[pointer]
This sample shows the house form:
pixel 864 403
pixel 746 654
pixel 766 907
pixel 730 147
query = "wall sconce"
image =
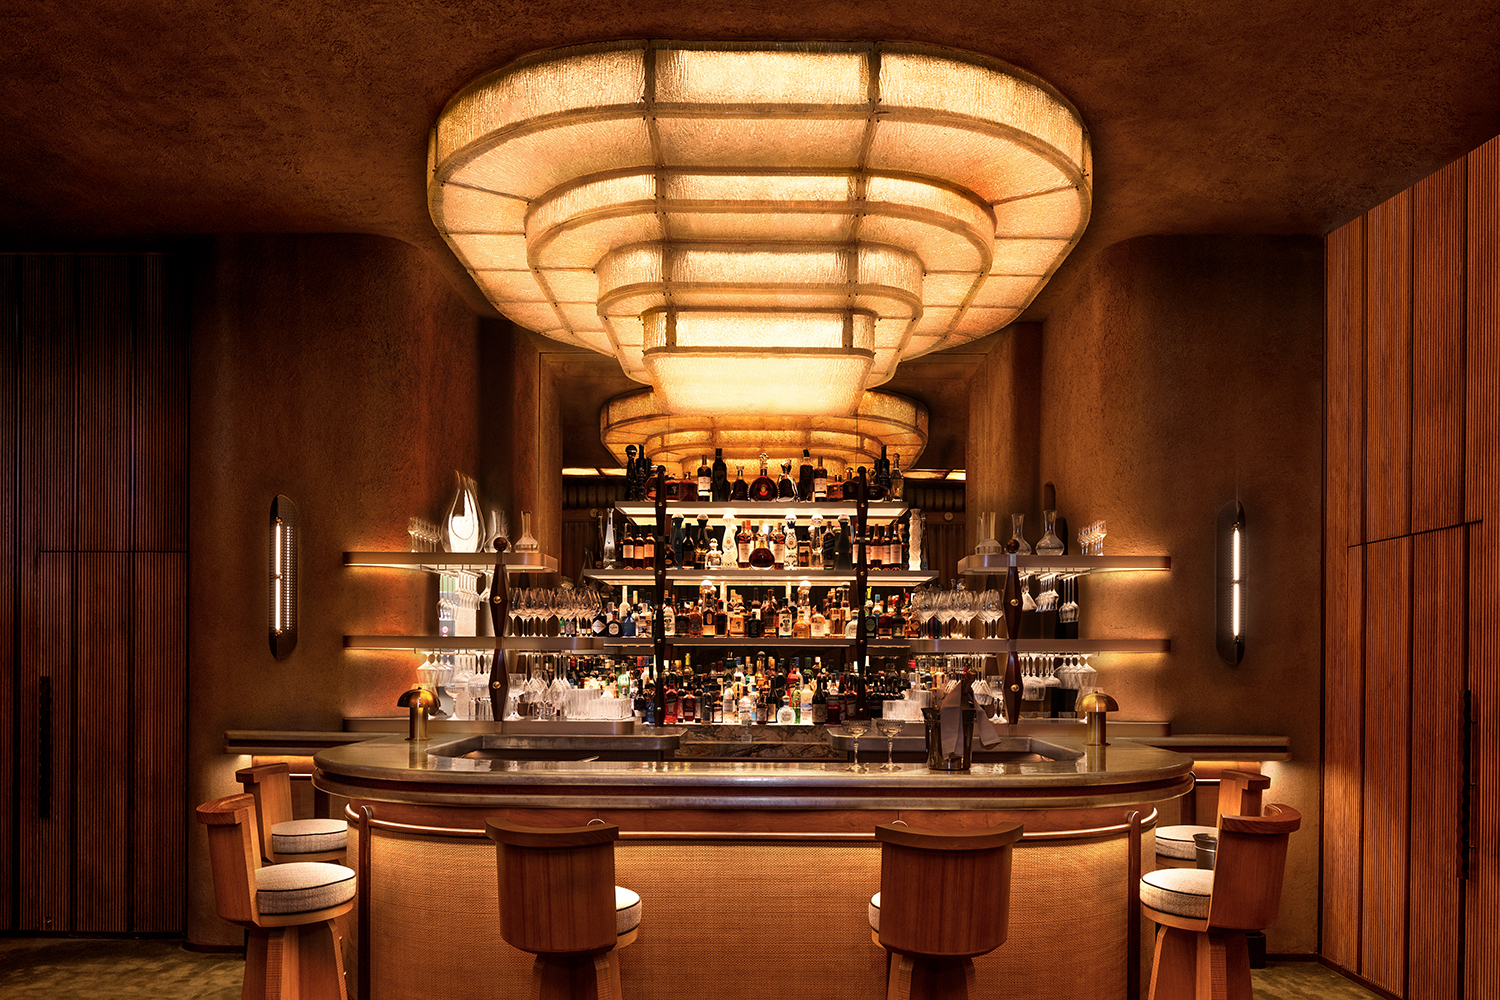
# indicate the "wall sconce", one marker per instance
pixel 286 542
pixel 1231 583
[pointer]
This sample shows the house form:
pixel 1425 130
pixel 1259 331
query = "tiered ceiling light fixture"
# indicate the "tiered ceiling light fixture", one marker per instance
pixel 680 441
pixel 762 227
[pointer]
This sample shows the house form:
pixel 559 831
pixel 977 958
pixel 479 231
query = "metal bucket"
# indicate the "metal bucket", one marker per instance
pixel 1208 849
pixel 936 759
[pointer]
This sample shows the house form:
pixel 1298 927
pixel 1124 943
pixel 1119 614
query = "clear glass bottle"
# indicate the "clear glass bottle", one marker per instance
pixel 527 542
pixel 1049 544
pixel 1017 544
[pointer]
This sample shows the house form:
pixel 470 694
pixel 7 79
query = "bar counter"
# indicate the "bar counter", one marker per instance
pixel 755 875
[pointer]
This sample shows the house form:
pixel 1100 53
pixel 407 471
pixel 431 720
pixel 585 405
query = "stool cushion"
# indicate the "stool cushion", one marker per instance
pixel 875 913
pixel 309 836
pixel 627 910
pixel 302 886
pixel 1177 841
pixel 1184 892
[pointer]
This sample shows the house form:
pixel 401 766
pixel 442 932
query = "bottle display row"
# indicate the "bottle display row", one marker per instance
pixel 811 482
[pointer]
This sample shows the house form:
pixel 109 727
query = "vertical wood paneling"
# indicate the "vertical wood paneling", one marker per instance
pixel 1437 413
pixel 161 417
pixel 105 388
pixel 159 779
pixel 1388 369
pixel 1345 304
pixel 46 650
pixel 1387 762
pixel 49 348
pixel 1342 755
pixel 1482 896
pixel 1482 317
pixel 1439 639
pixel 9 303
pixel 103 741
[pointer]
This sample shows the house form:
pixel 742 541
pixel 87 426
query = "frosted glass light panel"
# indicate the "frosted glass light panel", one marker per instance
pixel 931 190
pixel 284 544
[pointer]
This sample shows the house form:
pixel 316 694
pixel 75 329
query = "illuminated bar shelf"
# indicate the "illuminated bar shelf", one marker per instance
pixel 440 562
pixel 878 511
pixel 1061 647
pixel 523 643
pixel 760 577
pixel 1079 565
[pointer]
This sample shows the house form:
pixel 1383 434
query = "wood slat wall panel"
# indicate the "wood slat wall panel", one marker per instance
pixel 1437 412
pixel 45 848
pixel 159 779
pixel 9 303
pixel 1387 762
pixel 161 416
pixel 1345 305
pixel 49 350
pixel 1439 640
pixel 1388 369
pixel 1343 755
pixel 103 444
pixel 103 741
pixel 1482 897
pixel 1482 318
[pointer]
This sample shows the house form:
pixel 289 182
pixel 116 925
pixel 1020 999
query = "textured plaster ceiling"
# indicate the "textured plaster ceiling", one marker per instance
pixel 139 119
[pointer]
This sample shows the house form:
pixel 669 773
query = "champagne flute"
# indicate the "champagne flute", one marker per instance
pixel 889 728
pixel 855 728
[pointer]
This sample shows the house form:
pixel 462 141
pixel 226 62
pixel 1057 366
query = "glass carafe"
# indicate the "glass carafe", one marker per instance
pixel 1017 544
pixel 988 544
pixel 1049 544
pixel 527 542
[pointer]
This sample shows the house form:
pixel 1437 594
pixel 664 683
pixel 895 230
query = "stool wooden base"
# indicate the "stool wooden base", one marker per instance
pixel 1200 965
pixel 914 977
pixel 579 977
pixel 300 962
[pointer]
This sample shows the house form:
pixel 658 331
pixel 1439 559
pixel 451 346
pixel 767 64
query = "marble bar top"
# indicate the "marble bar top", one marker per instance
pixel 440 772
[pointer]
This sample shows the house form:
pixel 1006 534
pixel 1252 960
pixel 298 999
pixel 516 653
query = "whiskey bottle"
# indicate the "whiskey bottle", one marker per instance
pixel 739 489
pixel 719 487
pixel 786 490
pixel 818 625
pixel 763 488
pixel 705 479
pixel 804 552
pixel 646 551
pixel 721 620
pixel 820 481
pixel 778 547
pixel 784 621
pixel 700 551
pixel 805 477
pixel 742 540
pixel 898 486
pixel 875 549
pixel 736 623
pixel 761 556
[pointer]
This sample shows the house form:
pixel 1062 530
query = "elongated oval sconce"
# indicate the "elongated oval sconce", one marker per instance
pixel 1231 583
pixel 285 548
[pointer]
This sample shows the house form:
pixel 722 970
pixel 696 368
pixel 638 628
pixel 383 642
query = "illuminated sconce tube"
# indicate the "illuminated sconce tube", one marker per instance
pixel 1230 634
pixel 285 549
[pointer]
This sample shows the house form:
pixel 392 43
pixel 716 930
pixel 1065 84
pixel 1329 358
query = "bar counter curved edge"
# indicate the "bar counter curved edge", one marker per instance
pixel 755 875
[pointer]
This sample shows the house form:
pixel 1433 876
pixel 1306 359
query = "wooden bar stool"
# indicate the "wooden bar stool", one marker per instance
pixel 559 901
pixel 288 909
pixel 1240 794
pixel 944 899
pixel 1202 916
pixel 283 838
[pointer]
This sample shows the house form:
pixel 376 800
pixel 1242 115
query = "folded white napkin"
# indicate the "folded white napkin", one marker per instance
pixel 950 701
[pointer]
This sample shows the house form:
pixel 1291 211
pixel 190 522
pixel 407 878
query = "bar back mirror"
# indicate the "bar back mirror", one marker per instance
pixel 1230 585
pixel 285 546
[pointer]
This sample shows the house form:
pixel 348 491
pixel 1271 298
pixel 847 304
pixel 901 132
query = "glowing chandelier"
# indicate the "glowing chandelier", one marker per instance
pixel 760 227
pixel 680 441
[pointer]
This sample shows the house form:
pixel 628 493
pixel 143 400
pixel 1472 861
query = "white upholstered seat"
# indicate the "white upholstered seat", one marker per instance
pixel 302 887
pixel 1184 892
pixel 627 910
pixel 1177 841
pixel 875 913
pixel 309 836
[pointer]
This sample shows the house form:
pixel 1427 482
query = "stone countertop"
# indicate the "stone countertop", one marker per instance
pixel 438 772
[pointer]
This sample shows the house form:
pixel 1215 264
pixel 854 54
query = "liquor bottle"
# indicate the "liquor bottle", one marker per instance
pixel 845 555
pixel 736 617
pixel 719 485
pixel 763 488
pixel 715 557
pixel 710 621
pixel 754 625
pixel 786 489
pixel 629 620
pixel 897 488
pixel 785 716
pixel 705 479
pixel 805 476
pixel 883 473
pixel 778 547
pixel 721 620
pixel 818 625
pixel 729 705
pixel 784 621
pixel 627 549
pixel 872 620
pixel 600 623
pixel 739 489
pixel 761 556
pixel 695 622
pixel 763 704
pixel 802 627
pixel 672 707
pixel 898 618
pixel 828 542
pixel 835 489
pixel 885 621
pixel 700 550
pixel 631 486
pixel 820 481
pixel 804 551
pixel 668 619
pixel 689 706
pixel 835 702
pixel 875 549
pixel 646 551
pixel 819 704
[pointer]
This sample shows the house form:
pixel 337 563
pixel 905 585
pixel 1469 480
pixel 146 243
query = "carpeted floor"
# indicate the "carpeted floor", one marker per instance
pixel 113 969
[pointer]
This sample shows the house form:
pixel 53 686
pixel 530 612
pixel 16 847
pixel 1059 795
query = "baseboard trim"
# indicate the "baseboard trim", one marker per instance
pixel 1375 988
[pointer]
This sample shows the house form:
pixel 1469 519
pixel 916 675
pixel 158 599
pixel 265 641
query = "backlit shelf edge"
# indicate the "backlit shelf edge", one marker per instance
pixel 1081 565
pixel 437 562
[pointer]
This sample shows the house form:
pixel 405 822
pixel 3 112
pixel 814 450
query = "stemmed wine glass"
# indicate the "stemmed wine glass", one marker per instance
pixel 889 728
pixel 855 728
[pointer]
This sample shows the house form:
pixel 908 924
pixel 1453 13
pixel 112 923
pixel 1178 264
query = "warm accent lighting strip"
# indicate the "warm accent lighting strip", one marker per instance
pixel 284 525
pixel 709 212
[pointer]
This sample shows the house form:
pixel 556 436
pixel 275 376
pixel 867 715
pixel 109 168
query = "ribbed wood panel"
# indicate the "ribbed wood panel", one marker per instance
pixel 1437 412
pixel 1387 762
pixel 1439 639
pixel 1345 304
pixel 104 745
pixel 161 413
pixel 1343 755
pixel 105 390
pixel 1388 369
pixel 45 843
pixel 49 348
pixel 1482 432
pixel 159 778
pixel 9 303
pixel 1481 957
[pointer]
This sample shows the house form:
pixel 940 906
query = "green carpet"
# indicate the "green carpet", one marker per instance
pixel 113 969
